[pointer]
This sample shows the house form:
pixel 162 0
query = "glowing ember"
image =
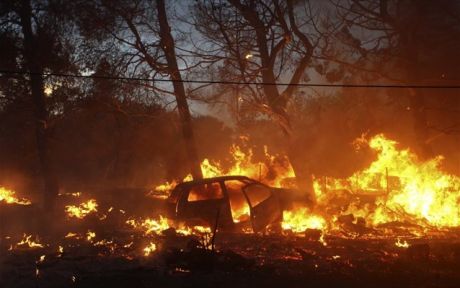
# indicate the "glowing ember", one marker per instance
pixel 104 242
pixel 90 235
pixel 9 197
pixel 300 220
pixel 82 210
pixel 402 244
pixel 128 245
pixel 152 247
pixel 27 242
pixel 71 235
pixel 72 194
pixel 60 251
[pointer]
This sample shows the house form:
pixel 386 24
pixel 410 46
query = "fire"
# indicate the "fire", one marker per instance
pixel 82 210
pixel 402 244
pixel 396 187
pixel 150 225
pixel 90 235
pixel 26 241
pixel 202 229
pixel 405 188
pixel 272 171
pixel 156 226
pixel 60 251
pixel 9 197
pixel 300 220
pixel 152 247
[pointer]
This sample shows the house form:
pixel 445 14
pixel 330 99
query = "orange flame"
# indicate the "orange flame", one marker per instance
pixel 9 197
pixel 405 188
pixel 82 210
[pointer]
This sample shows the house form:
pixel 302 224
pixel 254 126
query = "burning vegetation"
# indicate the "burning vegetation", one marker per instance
pixel 398 200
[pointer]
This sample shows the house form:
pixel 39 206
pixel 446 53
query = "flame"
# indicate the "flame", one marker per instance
pixel 82 210
pixel 150 225
pixel 402 188
pixel 152 247
pixel 402 244
pixel 9 197
pixel 406 189
pixel 156 226
pixel 202 229
pixel 300 220
pixel 272 171
pixel 90 235
pixel 26 241
pixel 60 251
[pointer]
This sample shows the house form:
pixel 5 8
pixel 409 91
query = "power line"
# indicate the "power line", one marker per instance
pixel 10 73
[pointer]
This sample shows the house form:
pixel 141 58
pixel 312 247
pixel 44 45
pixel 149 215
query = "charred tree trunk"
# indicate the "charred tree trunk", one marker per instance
pixel 167 44
pixel 35 68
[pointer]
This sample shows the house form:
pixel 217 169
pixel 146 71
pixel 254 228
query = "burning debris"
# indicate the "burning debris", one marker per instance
pixel 82 210
pixel 396 188
pixel 152 247
pixel 9 197
pixel 27 242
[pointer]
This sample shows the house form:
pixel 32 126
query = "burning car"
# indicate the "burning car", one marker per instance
pixel 232 203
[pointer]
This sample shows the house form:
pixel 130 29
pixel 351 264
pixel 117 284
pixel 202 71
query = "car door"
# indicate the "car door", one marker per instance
pixel 264 205
pixel 205 201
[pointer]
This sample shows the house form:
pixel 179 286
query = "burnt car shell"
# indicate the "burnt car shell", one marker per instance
pixel 209 201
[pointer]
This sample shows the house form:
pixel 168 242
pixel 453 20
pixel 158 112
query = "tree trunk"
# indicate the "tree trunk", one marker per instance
pixel 411 42
pixel 418 109
pixel 167 44
pixel 35 69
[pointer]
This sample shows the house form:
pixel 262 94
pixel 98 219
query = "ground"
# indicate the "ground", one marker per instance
pixel 238 260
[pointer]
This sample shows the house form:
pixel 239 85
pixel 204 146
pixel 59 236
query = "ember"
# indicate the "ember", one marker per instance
pixel 28 243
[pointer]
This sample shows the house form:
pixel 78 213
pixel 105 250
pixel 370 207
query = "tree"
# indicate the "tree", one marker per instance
pixel 405 42
pixel 265 42
pixel 167 45
pixel 36 34
pixel 147 49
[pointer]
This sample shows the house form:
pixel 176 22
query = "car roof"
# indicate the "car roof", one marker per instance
pixel 216 179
